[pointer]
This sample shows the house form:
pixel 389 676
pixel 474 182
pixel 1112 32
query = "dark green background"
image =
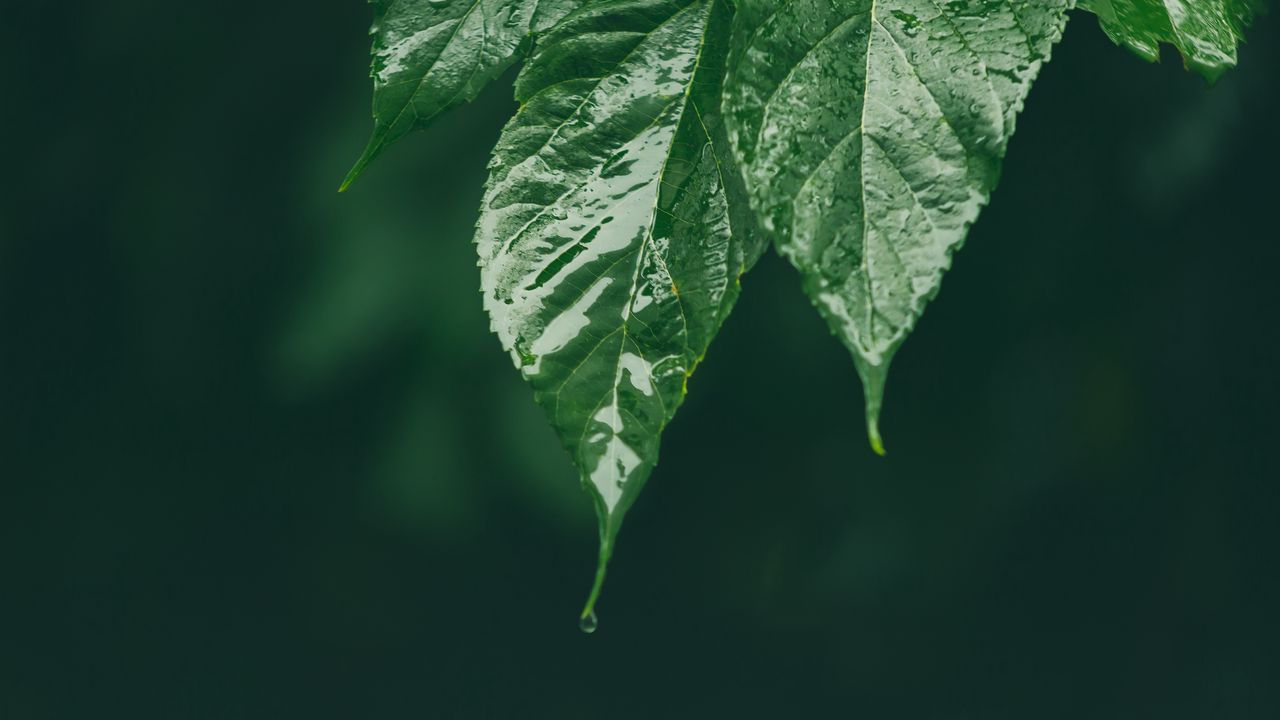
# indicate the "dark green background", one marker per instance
pixel 261 458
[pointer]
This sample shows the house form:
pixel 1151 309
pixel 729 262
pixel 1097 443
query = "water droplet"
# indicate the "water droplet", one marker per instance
pixel 588 623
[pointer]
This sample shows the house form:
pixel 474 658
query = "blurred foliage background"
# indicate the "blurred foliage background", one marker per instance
pixel 261 458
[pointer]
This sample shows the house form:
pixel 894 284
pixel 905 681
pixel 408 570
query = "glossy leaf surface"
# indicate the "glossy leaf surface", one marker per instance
pixel 609 252
pixel 432 55
pixel 1206 32
pixel 870 133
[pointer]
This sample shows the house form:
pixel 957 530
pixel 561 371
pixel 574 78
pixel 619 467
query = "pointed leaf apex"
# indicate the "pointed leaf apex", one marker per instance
pixel 602 564
pixel 873 434
pixel 873 381
pixel 370 152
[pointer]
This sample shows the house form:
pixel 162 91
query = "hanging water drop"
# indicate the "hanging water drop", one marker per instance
pixel 588 623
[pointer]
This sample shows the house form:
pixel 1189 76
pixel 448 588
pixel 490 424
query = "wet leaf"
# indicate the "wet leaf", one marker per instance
pixel 871 133
pixel 1206 32
pixel 432 55
pixel 609 252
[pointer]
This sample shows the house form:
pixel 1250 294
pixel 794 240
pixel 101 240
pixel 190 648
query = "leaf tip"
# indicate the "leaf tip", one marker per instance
pixel 587 621
pixel 873 381
pixel 370 152
pixel 354 173
pixel 873 434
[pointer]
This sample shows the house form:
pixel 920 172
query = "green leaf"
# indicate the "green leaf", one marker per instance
pixel 432 55
pixel 1206 32
pixel 871 134
pixel 609 251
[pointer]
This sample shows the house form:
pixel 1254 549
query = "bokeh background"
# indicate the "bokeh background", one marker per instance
pixel 261 458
